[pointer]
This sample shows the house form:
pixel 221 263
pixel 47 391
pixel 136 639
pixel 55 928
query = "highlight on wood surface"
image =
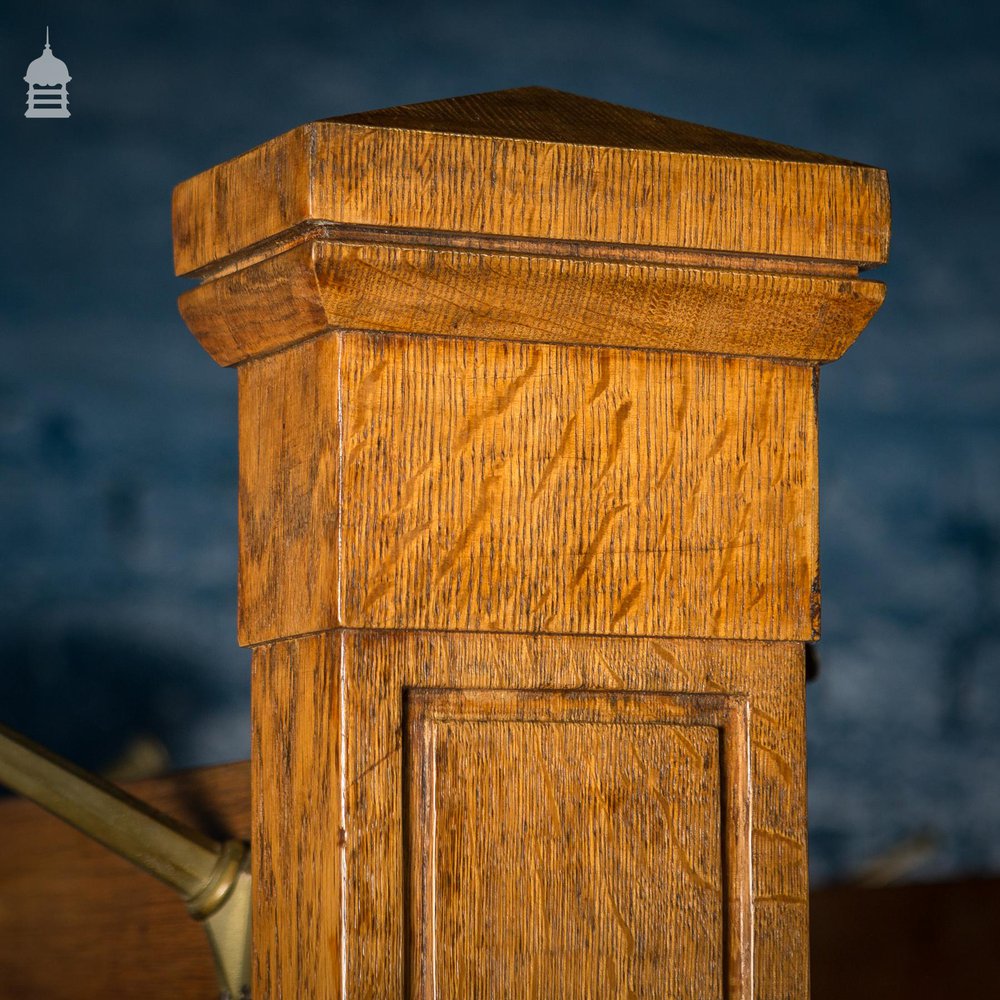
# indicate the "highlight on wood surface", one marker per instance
pixel 543 164
pixel 439 483
pixel 528 540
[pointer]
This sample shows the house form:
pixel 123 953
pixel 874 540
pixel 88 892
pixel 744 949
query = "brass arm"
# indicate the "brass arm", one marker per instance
pixel 213 878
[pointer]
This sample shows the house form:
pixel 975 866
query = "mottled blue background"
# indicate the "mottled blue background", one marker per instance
pixel 117 434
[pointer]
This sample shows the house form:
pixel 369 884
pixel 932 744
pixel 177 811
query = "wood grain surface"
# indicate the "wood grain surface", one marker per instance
pixel 529 539
pixel 554 785
pixel 79 923
pixel 436 483
pixel 289 494
pixel 661 806
pixel 321 285
pixel 297 823
pixel 542 164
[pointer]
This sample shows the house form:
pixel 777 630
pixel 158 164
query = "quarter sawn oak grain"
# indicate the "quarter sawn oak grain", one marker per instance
pixel 630 704
pixel 543 164
pixel 529 539
pixel 437 483
pixel 324 285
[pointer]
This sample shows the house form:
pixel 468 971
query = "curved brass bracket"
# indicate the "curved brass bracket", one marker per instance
pixel 212 878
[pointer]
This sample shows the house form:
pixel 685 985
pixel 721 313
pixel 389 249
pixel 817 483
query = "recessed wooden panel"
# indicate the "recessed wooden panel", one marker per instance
pixel 577 844
pixel 375 670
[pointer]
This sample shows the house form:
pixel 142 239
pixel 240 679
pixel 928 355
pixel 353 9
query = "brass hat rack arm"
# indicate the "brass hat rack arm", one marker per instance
pixel 184 859
pixel 212 878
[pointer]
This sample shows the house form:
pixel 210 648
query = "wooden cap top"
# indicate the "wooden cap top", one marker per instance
pixel 538 165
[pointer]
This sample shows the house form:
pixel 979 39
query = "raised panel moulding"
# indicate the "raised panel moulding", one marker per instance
pixel 626 789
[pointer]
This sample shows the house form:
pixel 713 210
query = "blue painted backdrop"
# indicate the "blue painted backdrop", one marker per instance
pixel 117 435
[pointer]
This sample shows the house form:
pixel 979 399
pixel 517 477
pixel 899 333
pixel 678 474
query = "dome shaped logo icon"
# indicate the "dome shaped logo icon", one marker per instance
pixel 47 79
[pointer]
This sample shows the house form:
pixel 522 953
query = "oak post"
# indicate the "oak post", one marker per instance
pixel 529 539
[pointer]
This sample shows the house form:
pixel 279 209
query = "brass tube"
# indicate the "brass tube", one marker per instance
pixel 183 858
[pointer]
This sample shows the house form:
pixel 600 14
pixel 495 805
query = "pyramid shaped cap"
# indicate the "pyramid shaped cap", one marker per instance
pixel 534 164
pixel 554 116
